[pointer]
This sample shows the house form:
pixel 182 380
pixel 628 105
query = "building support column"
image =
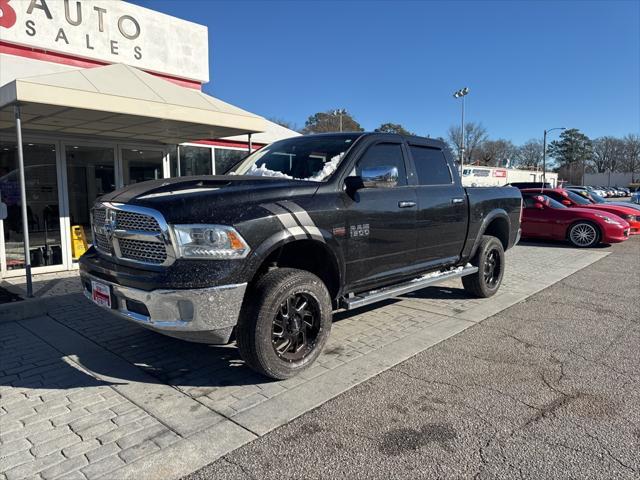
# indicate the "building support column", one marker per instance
pixel 23 202
pixel 249 143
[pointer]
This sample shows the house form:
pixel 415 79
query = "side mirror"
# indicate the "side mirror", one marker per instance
pixel 539 206
pixel 353 184
pixel 566 203
pixel 380 177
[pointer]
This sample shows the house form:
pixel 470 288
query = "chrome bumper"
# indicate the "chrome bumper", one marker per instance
pixel 204 315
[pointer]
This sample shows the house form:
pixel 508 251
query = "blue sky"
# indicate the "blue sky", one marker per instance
pixel 530 65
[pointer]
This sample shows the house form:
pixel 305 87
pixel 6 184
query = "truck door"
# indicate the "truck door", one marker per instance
pixel 442 208
pixel 381 220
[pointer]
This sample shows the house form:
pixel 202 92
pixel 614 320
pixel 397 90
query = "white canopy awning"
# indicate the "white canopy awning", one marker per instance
pixel 122 102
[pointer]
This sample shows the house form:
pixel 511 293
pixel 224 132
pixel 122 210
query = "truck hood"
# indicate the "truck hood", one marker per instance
pixel 209 198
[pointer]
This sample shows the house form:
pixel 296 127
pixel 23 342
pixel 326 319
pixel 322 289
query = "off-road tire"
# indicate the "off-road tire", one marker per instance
pixel 477 283
pixel 262 302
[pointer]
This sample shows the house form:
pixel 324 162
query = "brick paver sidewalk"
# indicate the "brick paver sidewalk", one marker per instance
pixel 86 395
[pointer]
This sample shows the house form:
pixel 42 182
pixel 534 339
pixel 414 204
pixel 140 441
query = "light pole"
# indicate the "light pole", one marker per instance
pixel 463 92
pixel 340 112
pixel 544 153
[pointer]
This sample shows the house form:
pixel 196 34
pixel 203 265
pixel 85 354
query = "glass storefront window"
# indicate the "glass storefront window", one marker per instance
pixel 227 158
pixel 140 165
pixel 195 160
pixel 42 205
pixel 90 174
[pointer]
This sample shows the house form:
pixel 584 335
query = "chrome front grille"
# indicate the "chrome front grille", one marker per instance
pixel 99 215
pixel 102 242
pixel 136 221
pixel 142 251
pixel 132 234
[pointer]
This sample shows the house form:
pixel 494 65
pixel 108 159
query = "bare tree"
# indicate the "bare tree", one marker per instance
pixel 284 123
pixel 631 156
pixel 529 155
pixel 495 153
pixel 607 152
pixel 474 135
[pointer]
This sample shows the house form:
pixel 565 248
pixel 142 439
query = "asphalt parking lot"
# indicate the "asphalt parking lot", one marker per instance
pixel 548 388
pixel 84 395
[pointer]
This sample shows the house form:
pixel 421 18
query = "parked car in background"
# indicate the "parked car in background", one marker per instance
pixel 624 190
pixel 545 218
pixel 635 197
pixel 597 191
pixel 595 198
pixel 573 200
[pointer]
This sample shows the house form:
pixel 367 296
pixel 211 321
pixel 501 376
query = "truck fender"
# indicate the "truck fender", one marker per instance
pixel 282 238
pixel 497 213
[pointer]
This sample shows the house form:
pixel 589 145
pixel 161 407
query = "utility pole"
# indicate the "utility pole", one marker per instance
pixel 544 153
pixel 340 112
pixel 463 92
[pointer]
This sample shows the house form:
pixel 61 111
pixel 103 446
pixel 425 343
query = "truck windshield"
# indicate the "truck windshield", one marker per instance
pixel 312 158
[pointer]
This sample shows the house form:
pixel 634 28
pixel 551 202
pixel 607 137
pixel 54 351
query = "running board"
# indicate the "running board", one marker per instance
pixel 419 283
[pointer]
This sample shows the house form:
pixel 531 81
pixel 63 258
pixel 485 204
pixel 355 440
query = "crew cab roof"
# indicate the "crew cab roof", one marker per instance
pixel 411 139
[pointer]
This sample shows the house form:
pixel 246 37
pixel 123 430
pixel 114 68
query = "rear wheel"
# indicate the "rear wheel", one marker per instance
pixel 284 323
pixel 583 235
pixel 489 259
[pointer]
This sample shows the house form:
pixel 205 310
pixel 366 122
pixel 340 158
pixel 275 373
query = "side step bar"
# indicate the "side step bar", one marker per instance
pixel 419 283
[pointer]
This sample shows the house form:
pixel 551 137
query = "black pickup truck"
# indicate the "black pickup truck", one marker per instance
pixel 299 229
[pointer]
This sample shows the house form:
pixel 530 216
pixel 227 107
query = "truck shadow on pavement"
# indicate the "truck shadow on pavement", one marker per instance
pixel 194 368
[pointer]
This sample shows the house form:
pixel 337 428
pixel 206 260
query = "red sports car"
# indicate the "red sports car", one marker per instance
pixel 543 217
pixel 573 200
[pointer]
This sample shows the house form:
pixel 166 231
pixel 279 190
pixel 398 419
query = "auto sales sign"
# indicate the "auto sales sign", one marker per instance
pixel 110 31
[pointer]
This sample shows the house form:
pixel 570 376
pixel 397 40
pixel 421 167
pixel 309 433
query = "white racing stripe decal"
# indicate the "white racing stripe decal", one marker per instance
pixel 303 217
pixel 287 221
pixel 295 220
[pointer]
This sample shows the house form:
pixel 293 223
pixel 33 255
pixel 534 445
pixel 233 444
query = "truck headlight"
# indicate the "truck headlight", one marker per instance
pixel 216 242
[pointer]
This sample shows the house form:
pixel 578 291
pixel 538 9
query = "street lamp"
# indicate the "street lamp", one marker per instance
pixel 463 92
pixel 544 153
pixel 340 112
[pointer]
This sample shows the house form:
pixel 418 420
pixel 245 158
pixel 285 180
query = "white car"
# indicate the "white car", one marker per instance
pixel 597 191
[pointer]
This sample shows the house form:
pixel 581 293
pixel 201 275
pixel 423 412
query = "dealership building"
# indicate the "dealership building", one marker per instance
pixel 103 94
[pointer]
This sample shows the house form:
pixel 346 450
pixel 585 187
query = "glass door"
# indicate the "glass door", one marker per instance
pixel 43 207
pixel 90 174
pixel 142 164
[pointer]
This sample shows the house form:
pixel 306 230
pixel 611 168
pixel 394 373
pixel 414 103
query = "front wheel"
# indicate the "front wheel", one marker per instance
pixel 489 259
pixel 583 235
pixel 284 323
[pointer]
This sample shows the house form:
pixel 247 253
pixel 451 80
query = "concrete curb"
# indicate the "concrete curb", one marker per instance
pixel 24 309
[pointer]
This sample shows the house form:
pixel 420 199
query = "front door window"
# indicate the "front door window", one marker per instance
pixel 140 165
pixel 42 205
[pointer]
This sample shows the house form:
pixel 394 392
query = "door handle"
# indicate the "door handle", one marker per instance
pixel 457 200
pixel 406 204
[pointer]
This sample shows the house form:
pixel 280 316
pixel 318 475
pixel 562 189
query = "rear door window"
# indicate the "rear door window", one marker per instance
pixel 431 166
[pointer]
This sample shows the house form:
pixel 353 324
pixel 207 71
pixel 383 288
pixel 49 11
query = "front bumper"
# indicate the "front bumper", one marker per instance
pixel 204 315
pixel 616 236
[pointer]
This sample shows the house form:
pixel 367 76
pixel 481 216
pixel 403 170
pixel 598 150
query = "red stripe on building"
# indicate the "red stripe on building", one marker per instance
pixel 230 143
pixel 64 59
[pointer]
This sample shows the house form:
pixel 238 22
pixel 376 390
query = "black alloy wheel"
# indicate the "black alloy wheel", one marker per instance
pixel 284 323
pixel 492 268
pixel 296 327
pixel 489 259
